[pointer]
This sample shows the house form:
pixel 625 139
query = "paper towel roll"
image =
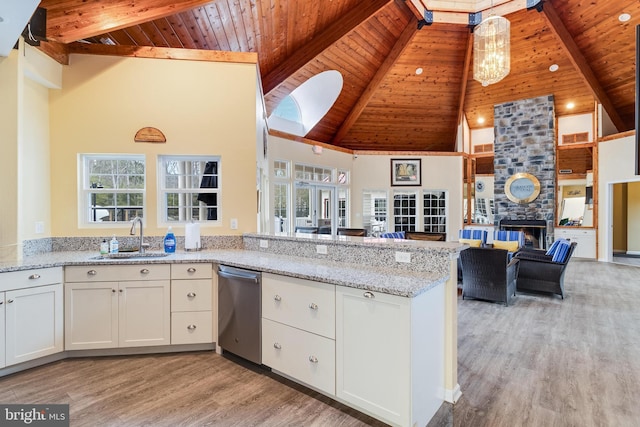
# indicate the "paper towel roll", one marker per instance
pixel 192 236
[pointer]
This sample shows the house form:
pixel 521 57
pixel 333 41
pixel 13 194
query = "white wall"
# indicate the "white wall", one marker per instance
pixel 482 136
pixel 575 123
pixel 373 172
pixel 616 164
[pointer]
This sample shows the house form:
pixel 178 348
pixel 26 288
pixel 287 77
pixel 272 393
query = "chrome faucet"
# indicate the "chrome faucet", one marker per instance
pixel 143 245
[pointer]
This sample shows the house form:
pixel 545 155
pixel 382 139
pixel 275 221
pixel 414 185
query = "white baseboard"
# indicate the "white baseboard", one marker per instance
pixel 633 252
pixel 452 396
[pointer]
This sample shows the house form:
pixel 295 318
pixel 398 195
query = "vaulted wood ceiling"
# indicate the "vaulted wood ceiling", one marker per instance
pixel 377 46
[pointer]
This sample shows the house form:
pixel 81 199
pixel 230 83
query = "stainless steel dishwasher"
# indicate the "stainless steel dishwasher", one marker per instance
pixel 240 312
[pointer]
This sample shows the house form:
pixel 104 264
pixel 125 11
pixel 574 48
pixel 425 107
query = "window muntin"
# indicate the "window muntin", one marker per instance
pixel 189 189
pixel 113 188
pixel 281 207
pixel 405 211
pixel 313 173
pixel 434 206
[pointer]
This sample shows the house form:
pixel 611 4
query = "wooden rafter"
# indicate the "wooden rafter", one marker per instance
pixel 323 41
pixel 361 104
pixel 463 88
pixel 58 51
pixel 73 20
pixel 164 53
pixel 580 63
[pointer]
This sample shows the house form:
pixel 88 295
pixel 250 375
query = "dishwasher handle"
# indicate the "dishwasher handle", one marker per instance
pixel 236 273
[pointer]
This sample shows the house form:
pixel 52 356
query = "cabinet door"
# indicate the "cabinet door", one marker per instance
pixel 34 323
pixel 373 353
pixel 144 313
pixel 2 351
pixel 91 315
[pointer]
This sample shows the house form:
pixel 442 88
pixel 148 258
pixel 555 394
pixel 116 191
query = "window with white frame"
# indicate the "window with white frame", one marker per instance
pixel 434 208
pixel 112 188
pixel 405 211
pixel 189 188
pixel 313 173
pixel 281 194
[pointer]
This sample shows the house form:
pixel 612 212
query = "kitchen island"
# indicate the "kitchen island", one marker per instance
pixel 401 345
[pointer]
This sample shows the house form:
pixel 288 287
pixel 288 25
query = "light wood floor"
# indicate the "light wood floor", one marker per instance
pixel 542 361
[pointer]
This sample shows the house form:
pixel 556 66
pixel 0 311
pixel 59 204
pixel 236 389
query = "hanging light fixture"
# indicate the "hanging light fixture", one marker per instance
pixel 491 49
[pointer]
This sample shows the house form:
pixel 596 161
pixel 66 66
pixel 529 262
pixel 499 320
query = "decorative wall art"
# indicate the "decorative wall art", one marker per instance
pixel 406 172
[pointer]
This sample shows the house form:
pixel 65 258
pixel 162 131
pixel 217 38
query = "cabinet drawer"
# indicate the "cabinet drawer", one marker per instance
pixel 116 273
pixel 306 357
pixel 30 278
pixel 193 327
pixel 191 295
pixel 192 271
pixel 299 303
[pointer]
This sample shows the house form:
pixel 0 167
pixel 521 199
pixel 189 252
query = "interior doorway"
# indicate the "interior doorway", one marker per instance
pixel 316 206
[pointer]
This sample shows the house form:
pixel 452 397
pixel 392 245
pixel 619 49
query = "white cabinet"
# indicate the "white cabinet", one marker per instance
pixel 117 306
pixel 390 354
pixel 585 237
pixel 3 362
pixel 298 330
pixel 192 302
pixel 32 315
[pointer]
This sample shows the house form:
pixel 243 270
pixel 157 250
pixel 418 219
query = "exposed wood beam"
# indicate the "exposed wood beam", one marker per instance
pixel 285 135
pixel 350 21
pixel 73 20
pixel 463 87
pixel 164 53
pixel 416 7
pixel 580 63
pixel 399 47
pixel 58 51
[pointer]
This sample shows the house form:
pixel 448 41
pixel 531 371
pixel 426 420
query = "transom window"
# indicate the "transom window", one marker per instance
pixel 189 188
pixel 113 188
pixel 313 173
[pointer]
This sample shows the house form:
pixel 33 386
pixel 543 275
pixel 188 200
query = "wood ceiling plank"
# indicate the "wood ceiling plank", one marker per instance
pixel 179 28
pixel 318 44
pixel 168 34
pixel 581 65
pixel 72 20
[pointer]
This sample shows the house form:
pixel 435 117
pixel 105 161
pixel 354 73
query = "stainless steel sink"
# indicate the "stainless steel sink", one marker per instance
pixel 131 255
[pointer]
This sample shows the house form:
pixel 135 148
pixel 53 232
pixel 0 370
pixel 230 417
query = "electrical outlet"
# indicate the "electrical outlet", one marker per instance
pixel 264 244
pixel 234 223
pixel 321 249
pixel 403 256
pixel 39 227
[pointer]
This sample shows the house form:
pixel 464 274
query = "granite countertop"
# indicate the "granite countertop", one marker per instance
pixel 379 279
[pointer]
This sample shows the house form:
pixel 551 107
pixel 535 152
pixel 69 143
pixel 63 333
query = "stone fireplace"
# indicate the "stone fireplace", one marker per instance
pixel 525 142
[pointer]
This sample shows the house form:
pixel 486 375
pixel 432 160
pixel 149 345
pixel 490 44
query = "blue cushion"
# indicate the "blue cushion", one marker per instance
pixel 393 235
pixel 561 252
pixel 554 246
pixel 473 235
pixel 509 236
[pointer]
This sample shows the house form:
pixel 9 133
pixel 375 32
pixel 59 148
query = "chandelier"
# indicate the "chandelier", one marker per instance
pixel 491 50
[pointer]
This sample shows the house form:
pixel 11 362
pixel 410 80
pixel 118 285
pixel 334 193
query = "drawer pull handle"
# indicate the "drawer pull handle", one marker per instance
pixel 121 291
pixel 277 346
pixel 369 295
pixel 144 271
pixel 191 327
pixel 1 302
pixel 92 272
pixel 277 298
pixel 313 306
pixel 191 270
pixel 34 277
pixel 113 290
pixel 191 295
pixel 9 301
pixel 313 359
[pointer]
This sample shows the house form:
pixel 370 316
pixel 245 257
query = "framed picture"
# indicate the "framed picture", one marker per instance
pixel 406 172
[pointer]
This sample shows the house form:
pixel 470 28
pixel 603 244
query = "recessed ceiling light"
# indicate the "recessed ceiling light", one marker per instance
pixel 624 17
pixel 553 68
pixel 481 120
pixel 570 105
pixel 419 71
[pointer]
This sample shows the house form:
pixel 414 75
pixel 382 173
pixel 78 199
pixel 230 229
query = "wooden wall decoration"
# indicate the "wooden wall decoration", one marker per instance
pixel 150 134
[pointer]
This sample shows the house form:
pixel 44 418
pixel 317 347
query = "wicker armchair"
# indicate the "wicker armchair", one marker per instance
pixel 488 274
pixel 538 273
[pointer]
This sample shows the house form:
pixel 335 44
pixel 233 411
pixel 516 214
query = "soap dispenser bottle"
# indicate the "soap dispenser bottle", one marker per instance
pixel 104 247
pixel 170 242
pixel 113 245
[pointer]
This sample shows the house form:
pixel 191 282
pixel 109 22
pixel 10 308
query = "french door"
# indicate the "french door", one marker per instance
pixel 316 206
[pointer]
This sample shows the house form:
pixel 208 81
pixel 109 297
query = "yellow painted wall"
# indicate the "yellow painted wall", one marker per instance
pixel 633 211
pixel 620 217
pixel 203 108
pixel 10 83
